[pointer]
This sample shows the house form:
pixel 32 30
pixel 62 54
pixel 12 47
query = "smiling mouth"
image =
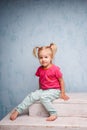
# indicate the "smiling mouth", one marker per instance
pixel 44 63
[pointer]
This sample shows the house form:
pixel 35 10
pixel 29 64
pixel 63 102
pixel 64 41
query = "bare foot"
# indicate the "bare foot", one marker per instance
pixel 14 115
pixel 52 118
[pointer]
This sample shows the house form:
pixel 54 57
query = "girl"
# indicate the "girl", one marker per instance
pixel 51 83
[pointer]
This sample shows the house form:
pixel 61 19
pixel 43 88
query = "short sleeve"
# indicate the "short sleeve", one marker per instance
pixel 58 72
pixel 38 72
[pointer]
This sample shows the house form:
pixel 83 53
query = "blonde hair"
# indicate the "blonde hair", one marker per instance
pixel 52 47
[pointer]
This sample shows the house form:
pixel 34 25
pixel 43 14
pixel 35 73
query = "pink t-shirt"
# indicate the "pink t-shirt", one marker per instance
pixel 48 78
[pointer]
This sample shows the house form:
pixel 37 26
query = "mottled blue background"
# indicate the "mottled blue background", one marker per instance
pixel 25 24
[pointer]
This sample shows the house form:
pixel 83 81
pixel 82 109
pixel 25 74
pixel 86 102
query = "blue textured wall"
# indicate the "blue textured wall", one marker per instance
pixel 25 24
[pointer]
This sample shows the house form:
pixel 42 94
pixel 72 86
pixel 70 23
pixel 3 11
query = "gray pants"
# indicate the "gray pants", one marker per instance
pixel 44 96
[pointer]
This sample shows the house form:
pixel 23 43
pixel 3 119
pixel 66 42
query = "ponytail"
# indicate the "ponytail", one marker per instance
pixel 54 48
pixel 35 51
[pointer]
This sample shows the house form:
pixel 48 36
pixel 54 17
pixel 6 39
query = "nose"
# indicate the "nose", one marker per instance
pixel 43 60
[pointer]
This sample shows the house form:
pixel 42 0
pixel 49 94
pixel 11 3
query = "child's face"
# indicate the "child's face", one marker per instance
pixel 45 58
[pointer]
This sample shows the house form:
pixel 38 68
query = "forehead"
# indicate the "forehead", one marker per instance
pixel 45 52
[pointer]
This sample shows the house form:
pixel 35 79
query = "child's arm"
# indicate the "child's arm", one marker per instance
pixel 63 95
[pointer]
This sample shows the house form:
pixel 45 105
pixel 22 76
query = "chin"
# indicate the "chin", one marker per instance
pixel 45 66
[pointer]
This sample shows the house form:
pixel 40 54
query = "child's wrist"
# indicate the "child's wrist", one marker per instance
pixel 62 92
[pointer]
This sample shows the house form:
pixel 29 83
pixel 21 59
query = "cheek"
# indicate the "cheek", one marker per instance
pixel 40 60
pixel 48 60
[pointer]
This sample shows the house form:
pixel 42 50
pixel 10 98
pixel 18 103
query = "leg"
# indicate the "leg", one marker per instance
pixel 30 99
pixel 46 99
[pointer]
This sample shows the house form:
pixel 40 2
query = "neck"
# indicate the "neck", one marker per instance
pixel 46 67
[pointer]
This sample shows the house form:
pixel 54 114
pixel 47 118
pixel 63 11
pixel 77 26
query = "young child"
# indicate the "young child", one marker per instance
pixel 51 83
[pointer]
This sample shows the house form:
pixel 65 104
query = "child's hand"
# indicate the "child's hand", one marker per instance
pixel 64 96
